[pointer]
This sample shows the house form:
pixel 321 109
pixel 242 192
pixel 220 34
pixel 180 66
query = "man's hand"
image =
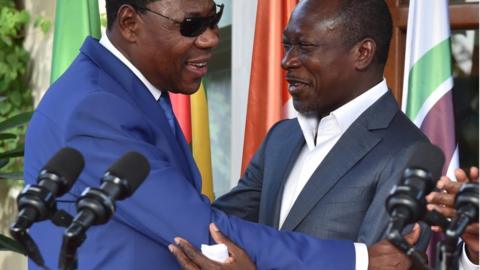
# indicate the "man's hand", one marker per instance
pixel 190 258
pixel 384 255
pixel 470 236
pixel 444 202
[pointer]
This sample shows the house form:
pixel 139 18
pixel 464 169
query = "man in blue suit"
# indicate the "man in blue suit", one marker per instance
pixel 114 99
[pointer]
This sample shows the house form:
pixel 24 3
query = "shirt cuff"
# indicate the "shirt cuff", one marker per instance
pixel 361 256
pixel 465 263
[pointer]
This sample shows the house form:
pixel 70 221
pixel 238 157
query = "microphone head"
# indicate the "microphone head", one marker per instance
pixel 132 167
pixel 67 164
pixel 421 173
pixel 427 157
pixel 467 195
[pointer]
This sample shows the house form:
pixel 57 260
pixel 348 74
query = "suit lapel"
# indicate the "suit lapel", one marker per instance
pixel 134 91
pixel 355 143
pixel 284 160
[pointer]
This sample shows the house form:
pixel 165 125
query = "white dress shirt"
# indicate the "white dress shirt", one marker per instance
pixel 320 137
pixel 465 263
pixel 105 41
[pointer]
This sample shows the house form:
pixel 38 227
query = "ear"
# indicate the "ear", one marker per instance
pixel 364 53
pixel 128 23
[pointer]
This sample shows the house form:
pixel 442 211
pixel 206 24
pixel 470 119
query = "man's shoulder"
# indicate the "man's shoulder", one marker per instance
pixel 285 124
pixel 402 125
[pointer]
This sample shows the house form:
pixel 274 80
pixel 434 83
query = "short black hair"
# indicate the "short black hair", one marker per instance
pixel 367 18
pixel 112 7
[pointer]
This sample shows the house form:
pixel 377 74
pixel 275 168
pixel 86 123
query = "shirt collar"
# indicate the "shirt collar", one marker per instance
pixel 344 116
pixel 105 41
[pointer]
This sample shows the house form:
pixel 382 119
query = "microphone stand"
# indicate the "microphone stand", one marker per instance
pixel 397 223
pixel 73 238
pixel 466 203
pixel 19 233
pixel 447 253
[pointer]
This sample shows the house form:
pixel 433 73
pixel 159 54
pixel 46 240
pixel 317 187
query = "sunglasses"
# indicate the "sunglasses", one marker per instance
pixel 194 26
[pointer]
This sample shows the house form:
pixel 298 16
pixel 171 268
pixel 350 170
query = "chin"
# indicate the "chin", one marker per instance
pixel 300 107
pixel 187 89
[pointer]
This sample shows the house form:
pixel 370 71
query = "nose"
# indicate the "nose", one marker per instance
pixel 290 58
pixel 208 39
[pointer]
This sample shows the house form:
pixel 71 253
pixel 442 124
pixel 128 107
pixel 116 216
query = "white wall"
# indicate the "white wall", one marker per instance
pixel 243 28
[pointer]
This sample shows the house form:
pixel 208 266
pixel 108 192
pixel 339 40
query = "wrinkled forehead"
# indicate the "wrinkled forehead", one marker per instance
pixel 186 7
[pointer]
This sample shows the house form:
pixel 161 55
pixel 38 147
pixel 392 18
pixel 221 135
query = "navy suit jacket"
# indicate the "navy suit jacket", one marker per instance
pixel 102 109
pixel 345 196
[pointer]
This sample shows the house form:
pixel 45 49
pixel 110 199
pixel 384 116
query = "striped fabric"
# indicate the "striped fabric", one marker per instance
pixel 428 83
pixel 74 21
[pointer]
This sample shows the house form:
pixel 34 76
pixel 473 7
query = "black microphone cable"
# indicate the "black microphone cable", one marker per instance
pixel 37 202
pixel 97 205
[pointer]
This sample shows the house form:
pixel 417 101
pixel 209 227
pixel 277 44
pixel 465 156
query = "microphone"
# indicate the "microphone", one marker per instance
pixel 466 203
pixel 97 205
pixel 37 202
pixel 406 203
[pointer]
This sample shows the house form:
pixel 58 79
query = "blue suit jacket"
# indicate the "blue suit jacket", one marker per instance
pixel 102 109
pixel 345 196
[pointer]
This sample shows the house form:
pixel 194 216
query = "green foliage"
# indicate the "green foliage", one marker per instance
pixel 8 244
pixel 16 101
pixel 15 94
pixel 44 24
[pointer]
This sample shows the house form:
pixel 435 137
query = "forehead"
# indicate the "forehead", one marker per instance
pixel 313 17
pixel 187 7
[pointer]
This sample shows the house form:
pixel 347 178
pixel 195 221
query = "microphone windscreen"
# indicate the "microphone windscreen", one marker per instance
pixel 133 167
pixel 428 157
pixel 67 163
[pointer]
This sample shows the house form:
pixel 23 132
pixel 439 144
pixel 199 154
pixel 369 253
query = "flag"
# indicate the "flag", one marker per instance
pixel 74 21
pixel 182 110
pixel 192 115
pixel 268 97
pixel 428 82
pixel 201 139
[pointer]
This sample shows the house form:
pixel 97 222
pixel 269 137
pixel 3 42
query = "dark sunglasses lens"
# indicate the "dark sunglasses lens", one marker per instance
pixel 193 27
pixel 216 18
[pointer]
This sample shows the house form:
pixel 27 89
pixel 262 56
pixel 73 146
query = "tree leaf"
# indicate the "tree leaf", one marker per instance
pixel 16 121
pixel 3 162
pixel 7 243
pixel 18 152
pixel 11 176
pixel 7 136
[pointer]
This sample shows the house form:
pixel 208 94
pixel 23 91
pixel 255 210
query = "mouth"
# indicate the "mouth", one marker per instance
pixel 296 85
pixel 199 66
